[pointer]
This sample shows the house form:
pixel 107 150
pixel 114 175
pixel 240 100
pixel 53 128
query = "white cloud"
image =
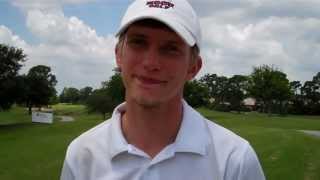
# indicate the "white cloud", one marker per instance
pixel 245 33
pixel 237 35
pixel 292 44
pixel 77 55
pixel 47 5
pixel 7 37
pixel 80 56
pixel 254 9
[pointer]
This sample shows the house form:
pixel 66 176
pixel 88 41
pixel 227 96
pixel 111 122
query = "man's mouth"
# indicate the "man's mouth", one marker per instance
pixel 151 81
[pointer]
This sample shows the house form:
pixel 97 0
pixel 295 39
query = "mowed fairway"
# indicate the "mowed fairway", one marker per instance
pixel 32 151
pixel 285 153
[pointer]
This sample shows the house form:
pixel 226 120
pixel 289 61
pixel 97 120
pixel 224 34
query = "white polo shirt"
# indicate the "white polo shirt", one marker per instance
pixel 202 150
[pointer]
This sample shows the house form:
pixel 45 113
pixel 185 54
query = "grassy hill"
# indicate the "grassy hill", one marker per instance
pixel 33 151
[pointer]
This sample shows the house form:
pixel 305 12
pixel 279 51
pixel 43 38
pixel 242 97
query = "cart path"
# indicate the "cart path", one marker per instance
pixel 66 118
pixel 313 133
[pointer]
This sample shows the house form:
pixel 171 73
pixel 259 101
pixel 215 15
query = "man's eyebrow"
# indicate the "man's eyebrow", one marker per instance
pixel 143 36
pixel 136 35
pixel 173 42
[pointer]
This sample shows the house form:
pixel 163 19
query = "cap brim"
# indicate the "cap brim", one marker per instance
pixel 171 22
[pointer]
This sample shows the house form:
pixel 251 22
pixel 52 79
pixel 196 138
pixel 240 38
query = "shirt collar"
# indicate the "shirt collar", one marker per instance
pixel 118 142
pixel 192 136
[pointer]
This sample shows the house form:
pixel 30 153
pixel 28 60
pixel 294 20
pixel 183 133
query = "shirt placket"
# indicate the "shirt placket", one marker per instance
pixel 150 171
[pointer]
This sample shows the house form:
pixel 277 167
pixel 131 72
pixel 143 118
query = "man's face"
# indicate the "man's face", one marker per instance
pixel 155 64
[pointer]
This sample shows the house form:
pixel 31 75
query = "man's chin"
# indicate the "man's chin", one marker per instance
pixel 148 103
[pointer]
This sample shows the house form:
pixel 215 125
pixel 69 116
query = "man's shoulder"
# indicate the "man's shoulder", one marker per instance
pixel 220 136
pixel 95 136
pixel 87 147
pixel 223 136
pixel 235 155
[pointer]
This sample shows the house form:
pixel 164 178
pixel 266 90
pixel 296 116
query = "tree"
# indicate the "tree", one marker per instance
pixel 70 95
pixel 105 99
pixel 217 86
pixel 271 87
pixel 62 97
pixel 196 93
pixel 11 59
pixel 297 105
pixel 84 94
pixel 99 101
pixel 221 89
pixel 237 91
pixel 295 86
pixel 115 89
pixel 54 99
pixel 22 89
pixel 210 81
pixel 316 80
pixel 310 92
pixel 41 86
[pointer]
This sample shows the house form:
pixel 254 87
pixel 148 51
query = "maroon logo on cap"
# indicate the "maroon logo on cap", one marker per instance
pixel 160 4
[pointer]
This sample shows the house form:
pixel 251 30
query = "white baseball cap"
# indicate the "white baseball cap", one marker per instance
pixel 176 14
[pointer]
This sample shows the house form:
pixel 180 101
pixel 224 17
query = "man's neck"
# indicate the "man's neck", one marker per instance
pixel 152 128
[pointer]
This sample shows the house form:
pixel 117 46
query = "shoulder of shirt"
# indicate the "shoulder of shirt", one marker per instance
pixel 226 142
pixel 236 157
pixel 91 137
pixel 222 135
pixel 232 150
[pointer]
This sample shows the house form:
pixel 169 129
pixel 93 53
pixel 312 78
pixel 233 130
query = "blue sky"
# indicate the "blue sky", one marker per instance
pixel 11 17
pixel 76 37
pixel 104 17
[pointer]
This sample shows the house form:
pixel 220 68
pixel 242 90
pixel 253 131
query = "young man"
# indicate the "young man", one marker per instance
pixel 155 134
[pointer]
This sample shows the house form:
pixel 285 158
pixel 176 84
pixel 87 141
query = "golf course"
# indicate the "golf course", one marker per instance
pixel 34 151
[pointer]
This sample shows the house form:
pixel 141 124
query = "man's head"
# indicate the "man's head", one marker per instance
pixel 178 15
pixel 158 55
pixel 195 51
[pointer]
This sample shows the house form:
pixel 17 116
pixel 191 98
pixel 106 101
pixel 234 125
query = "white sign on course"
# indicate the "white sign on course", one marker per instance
pixel 42 117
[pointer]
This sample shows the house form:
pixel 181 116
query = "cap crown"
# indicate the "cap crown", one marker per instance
pixel 177 14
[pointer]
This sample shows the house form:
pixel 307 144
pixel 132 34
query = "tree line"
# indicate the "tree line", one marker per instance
pixel 267 85
pixel 34 89
pixel 102 100
pixel 271 89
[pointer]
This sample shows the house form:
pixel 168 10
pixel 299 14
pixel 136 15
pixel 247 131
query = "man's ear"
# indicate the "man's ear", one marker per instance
pixel 194 68
pixel 117 52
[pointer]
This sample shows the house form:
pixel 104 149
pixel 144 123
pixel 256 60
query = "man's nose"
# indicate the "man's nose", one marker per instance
pixel 151 61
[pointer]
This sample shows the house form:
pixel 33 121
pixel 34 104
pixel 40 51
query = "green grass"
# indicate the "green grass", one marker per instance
pixel 33 151
pixel 13 116
pixel 254 119
pixel 284 152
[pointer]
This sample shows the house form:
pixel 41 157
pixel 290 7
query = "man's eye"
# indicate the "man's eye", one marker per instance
pixel 137 42
pixel 171 49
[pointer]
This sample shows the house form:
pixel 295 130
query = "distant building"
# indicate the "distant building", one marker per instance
pixel 250 103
